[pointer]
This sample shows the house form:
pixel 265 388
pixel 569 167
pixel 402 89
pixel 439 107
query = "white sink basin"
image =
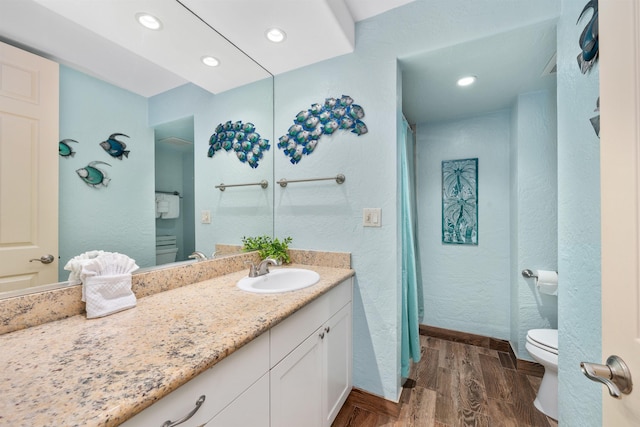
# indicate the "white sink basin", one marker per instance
pixel 280 280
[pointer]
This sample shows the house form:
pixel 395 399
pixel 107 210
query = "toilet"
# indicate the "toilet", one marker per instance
pixel 542 345
pixel 166 249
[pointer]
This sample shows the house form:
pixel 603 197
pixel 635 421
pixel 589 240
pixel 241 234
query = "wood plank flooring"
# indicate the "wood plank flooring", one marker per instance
pixel 454 385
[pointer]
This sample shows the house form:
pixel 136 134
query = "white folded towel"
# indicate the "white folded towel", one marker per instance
pixel 108 294
pixel 173 206
pixel 106 282
pixel 75 266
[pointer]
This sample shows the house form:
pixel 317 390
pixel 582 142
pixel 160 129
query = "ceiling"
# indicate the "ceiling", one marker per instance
pixel 103 39
pixel 505 65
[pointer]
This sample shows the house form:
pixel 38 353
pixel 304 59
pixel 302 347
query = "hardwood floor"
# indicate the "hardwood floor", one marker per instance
pixel 454 384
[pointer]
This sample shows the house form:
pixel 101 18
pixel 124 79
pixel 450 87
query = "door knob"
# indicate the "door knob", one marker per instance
pixel 45 259
pixel 615 375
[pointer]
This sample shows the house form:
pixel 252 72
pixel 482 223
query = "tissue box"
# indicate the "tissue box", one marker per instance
pixel 108 294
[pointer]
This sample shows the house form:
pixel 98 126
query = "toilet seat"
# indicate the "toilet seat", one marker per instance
pixel 545 339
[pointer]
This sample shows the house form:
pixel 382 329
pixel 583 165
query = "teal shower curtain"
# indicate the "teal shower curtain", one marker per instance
pixel 411 295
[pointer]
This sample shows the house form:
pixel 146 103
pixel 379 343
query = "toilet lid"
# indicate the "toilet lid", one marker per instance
pixel 546 339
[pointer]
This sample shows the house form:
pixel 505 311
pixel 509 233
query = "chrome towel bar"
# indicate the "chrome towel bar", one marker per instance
pixel 338 178
pixel 264 184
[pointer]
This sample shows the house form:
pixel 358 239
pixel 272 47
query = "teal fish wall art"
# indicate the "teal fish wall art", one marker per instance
pixel 64 149
pixel 589 39
pixel 240 138
pixel 93 176
pixel 115 147
pixel 321 119
pixel 595 120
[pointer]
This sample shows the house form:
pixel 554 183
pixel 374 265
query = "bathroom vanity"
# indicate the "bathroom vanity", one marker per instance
pixel 259 359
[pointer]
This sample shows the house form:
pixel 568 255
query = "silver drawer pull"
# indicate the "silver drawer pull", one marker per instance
pixel 199 403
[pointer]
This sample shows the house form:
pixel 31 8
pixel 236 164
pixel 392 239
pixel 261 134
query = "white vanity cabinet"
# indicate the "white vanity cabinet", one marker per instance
pixel 311 357
pixel 237 382
pixel 296 374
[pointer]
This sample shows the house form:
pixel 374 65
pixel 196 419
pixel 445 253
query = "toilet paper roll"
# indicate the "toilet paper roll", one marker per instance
pixel 547 282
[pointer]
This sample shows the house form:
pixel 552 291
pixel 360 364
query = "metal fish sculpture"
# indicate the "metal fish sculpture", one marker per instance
pixel 93 176
pixel 589 39
pixel 114 147
pixel 241 138
pixel 360 128
pixel 595 120
pixel 64 149
pixel 321 119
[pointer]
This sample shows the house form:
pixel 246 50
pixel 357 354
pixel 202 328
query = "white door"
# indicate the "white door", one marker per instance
pixel 28 169
pixel 620 188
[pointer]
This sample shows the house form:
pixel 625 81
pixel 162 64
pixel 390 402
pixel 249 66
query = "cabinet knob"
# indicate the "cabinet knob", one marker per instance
pixel 327 329
pixel 321 335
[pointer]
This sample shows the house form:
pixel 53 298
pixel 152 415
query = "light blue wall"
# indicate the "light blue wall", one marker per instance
pixel 466 287
pixel 579 313
pixel 119 217
pixel 535 188
pixel 327 216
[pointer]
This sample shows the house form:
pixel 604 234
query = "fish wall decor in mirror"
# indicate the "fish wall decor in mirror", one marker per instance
pixel 242 138
pixel 321 119
pixel 64 149
pixel 93 176
pixel 114 147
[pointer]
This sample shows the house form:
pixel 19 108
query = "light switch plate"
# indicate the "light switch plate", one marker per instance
pixel 372 217
pixel 205 217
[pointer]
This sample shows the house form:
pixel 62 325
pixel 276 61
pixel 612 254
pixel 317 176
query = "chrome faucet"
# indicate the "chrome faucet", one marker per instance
pixel 262 268
pixel 198 256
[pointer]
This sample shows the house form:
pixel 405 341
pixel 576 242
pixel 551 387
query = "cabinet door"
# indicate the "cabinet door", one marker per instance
pixel 337 358
pixel 296 386
pixel 251 408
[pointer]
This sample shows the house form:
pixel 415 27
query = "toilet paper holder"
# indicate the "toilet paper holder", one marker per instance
pixel 528 274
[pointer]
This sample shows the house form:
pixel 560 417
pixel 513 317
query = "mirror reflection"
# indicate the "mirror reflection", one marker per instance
pixel 145 144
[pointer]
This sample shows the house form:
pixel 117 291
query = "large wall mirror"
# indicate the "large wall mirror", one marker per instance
pixel 166 117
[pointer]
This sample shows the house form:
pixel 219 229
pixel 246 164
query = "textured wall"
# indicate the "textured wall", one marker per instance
pixel 536 192
pixel 579 313
pixel 466 287
pixel 327 216
pixel 119 217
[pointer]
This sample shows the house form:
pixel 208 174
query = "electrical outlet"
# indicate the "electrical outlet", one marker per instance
pixel 205 217
pixel 372 217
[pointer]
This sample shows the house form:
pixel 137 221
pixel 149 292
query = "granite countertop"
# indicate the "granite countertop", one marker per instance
pixel 100 372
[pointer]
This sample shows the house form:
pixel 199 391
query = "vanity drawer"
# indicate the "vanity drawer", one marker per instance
pixel 221 384
pixel 287 335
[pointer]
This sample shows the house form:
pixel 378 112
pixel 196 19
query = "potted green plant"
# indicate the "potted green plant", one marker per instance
pixel 268 247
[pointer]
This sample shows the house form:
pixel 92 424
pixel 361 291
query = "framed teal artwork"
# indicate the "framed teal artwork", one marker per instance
pixel 460 201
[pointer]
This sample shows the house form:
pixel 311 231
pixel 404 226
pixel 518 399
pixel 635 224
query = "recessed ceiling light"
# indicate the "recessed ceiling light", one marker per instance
pixel 275 35
pixel 148 21
pixel 210 61
pixel 467 80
